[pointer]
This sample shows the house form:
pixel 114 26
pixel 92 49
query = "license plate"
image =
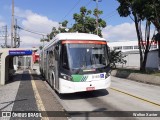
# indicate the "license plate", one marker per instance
pixel 90 88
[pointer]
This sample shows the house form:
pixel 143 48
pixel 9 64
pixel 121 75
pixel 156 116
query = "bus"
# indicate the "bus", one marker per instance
pixel 76 62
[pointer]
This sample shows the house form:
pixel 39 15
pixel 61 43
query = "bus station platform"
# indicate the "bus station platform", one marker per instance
pixel 28 92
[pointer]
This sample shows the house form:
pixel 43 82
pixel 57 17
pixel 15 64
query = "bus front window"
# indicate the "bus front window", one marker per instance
pixel 87 56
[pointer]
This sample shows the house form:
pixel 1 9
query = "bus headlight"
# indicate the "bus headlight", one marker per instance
pixel 66 77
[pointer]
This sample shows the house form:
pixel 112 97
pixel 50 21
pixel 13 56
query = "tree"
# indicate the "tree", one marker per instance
pixel 61 29
pixel 116 57
pixel 84 22
pixel 141 10
pixel 53 33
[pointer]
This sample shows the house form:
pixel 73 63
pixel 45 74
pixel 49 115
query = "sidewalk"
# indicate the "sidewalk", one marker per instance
pixel 150 79
pixel 19 95
pixel 9 91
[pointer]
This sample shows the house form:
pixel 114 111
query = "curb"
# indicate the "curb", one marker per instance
pixel 150 79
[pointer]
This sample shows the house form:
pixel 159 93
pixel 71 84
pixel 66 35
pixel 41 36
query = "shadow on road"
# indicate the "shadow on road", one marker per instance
pixel 23 76
pixel 83 95
pixel 10 102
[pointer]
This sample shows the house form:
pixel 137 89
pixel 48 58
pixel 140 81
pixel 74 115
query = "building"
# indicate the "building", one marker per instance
pixel 130 48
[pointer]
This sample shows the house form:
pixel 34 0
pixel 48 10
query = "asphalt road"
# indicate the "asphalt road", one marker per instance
pixel 124 98
pixel 123 95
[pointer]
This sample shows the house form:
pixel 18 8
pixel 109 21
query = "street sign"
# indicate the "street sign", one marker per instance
pixel 20 52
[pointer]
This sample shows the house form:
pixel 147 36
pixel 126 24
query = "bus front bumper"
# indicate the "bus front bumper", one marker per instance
pixel 66 86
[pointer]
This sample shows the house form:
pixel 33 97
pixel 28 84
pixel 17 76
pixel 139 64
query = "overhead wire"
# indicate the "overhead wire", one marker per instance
pixel 85 6
pixel 71 9
pixel 38 33
pixel 109 15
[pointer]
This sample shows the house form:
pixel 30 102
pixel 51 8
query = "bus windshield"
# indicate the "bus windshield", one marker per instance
pixel 86 56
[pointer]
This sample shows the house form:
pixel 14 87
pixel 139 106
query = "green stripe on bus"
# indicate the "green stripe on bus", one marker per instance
pixel 77 78
pixel 84 78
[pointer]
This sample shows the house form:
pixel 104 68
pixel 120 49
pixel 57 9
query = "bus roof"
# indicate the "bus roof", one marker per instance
pixel 74 36
pixel 78 36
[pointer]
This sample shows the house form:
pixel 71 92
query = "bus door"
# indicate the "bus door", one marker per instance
pixel 56 69
pixel 47 66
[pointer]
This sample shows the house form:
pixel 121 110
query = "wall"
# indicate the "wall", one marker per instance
pixel 152 60
pixel 133 60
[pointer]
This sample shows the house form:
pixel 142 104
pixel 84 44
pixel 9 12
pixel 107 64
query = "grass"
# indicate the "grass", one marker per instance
pixel 149 72
pixel 156 74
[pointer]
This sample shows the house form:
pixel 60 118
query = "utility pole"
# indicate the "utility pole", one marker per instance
pixel 97 17
pixel 43 40
pixel 97 24
pixel 12 25
pixel 6 36
pixel 15 33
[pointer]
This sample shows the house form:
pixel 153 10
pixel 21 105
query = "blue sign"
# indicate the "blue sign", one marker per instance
pixel 101 75
pixel 20 52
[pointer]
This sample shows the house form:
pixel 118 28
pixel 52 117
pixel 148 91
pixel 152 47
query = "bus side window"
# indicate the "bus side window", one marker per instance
pixel 65 58
pixel 56 53
pixel 51 57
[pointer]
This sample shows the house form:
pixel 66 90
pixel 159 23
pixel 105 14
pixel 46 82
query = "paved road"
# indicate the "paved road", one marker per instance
pixel 124 95
pixel 29 93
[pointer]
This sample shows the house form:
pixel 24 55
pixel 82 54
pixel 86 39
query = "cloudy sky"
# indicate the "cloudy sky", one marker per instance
pixel 42 15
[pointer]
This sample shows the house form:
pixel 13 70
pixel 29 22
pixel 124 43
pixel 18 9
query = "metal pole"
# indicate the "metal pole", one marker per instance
pixel 12 24
pixel 15 33
pixel 43 40
pixel 97 16
pixel 6 36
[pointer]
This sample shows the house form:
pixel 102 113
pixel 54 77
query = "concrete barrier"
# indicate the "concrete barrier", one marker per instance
pixel 150 79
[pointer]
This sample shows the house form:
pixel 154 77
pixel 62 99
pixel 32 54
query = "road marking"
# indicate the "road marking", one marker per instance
pixel 143 99
pixel 38 98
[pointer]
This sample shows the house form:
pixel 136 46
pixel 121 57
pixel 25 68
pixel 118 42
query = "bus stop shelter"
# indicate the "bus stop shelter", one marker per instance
pixel 6 61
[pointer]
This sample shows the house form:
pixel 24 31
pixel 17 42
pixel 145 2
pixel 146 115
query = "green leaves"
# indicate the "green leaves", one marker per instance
pixel 116 57
pixel 124 8
pixel 143 9
pixel 84 22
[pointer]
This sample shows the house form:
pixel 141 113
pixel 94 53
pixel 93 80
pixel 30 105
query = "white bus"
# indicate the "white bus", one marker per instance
pixel 75 62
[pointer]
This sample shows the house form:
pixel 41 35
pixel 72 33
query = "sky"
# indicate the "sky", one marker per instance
pixel 42 15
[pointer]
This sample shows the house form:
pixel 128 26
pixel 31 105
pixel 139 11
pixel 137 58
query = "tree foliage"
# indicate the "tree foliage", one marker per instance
pixel 85 22
pixel 116 57
pixel 141 10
